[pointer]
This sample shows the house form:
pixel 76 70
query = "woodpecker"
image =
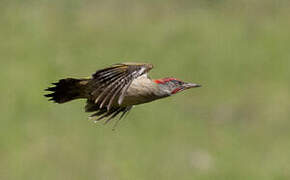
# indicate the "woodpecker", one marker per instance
pixel 116 89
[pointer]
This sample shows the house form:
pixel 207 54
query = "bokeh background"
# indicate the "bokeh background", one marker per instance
pixel 237 126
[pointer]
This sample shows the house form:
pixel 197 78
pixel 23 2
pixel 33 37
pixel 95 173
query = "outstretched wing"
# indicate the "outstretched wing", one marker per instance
pixel 112 83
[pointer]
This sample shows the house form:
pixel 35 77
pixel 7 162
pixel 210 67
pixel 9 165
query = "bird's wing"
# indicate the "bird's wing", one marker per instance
pixel 113 82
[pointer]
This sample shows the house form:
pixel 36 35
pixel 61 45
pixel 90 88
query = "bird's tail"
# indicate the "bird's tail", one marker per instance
pixel 68 89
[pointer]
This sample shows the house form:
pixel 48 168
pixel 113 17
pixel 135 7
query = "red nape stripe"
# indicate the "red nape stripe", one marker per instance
pixel 158 81
pixel 175 90
pixel 164 80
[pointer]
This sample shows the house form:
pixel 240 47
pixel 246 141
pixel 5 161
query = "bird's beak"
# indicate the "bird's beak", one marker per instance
pixel 190 85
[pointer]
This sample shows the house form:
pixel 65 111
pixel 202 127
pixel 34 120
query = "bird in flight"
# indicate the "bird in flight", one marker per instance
pixel 116 89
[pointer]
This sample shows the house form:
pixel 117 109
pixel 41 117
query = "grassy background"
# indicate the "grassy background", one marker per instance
pixel 235 127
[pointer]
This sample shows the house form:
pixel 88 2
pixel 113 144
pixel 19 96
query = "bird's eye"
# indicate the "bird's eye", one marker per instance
pixel 177 82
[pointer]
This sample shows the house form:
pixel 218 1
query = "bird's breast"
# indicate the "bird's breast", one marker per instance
pixel 142 90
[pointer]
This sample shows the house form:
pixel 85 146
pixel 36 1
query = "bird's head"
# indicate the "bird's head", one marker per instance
pixel 174 85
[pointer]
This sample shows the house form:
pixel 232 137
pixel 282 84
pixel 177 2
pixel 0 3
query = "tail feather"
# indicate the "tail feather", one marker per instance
pixel 67 89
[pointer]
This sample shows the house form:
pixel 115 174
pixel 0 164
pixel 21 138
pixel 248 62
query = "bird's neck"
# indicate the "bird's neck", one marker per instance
pixel 144 90
pixel 149 87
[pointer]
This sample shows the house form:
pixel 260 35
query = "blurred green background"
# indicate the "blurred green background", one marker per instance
pixel 235 127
